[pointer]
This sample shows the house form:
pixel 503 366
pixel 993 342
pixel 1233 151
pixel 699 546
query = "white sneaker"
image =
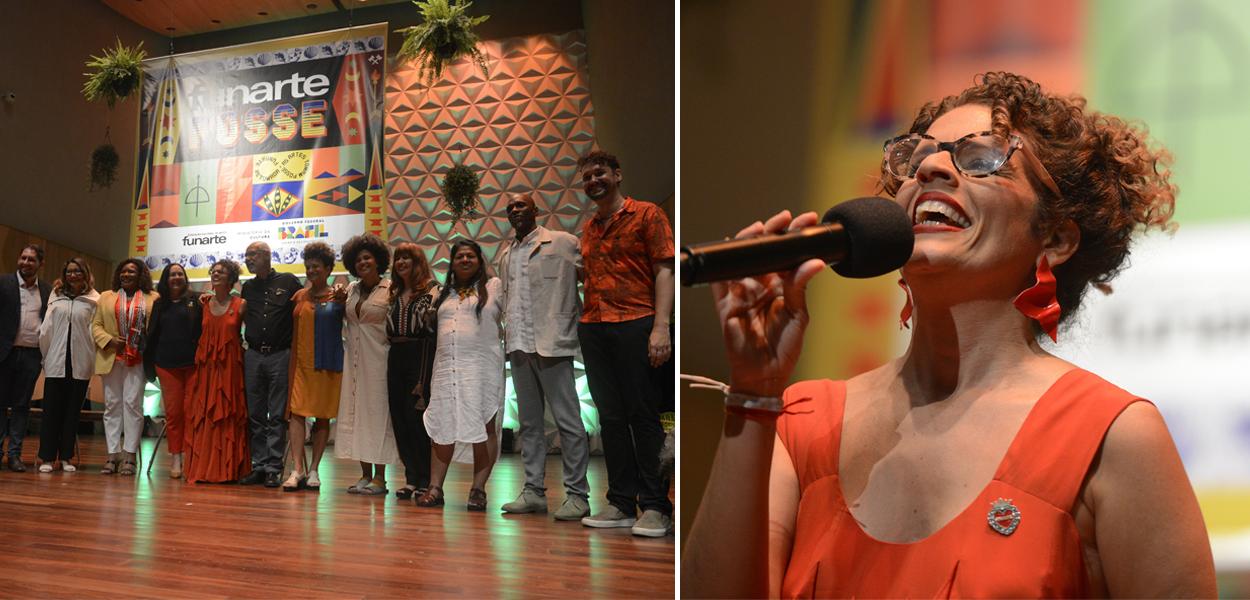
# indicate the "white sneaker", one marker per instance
pixel 45 468
pixel 68 467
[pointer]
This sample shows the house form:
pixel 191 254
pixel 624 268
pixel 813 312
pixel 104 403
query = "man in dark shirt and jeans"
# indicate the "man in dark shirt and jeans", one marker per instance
pixel 267 323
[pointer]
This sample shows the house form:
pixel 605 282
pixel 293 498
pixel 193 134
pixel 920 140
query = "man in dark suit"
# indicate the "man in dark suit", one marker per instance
pixel 23 302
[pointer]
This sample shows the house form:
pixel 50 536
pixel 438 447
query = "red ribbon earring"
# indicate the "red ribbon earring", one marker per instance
pixel 1040 302
pixel 904 317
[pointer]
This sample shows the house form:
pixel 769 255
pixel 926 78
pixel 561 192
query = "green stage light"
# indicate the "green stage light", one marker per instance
pixel 590 417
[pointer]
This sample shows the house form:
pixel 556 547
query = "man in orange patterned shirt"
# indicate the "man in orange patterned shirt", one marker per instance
pixel 627 253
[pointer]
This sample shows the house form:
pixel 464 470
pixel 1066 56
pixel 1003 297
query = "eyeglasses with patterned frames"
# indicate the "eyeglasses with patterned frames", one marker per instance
pixel 974 155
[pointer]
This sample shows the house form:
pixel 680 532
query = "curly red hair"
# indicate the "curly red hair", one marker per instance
pixel 1113 180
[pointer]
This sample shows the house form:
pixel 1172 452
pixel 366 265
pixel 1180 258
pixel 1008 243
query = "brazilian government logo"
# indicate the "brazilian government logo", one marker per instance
pixel 306 232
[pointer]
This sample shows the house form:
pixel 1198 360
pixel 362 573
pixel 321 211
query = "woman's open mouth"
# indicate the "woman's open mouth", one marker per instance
pixel 936 212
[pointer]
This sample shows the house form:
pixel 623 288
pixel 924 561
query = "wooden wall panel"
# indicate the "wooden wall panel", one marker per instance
pixel 54 256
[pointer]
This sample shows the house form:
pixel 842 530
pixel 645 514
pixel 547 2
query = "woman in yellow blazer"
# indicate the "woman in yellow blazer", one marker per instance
pixel 121 318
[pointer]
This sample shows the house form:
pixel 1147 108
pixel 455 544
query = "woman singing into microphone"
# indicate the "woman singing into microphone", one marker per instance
pixel 976 464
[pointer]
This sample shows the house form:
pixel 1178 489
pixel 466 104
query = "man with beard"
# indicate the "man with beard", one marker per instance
pixel 627 248
pixel 23 303
pixel 268 325
pixel 539 273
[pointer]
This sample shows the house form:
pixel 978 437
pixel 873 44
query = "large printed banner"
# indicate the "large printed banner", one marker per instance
pixel 277 141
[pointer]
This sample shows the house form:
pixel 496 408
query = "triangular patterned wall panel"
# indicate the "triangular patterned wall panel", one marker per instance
pixel 521 130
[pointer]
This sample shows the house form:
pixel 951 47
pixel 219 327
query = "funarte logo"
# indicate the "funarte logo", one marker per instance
pixel 203 240
pixel 291 232
pixel 294 87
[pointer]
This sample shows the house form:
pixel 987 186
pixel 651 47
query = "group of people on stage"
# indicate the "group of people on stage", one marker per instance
pixel 408 367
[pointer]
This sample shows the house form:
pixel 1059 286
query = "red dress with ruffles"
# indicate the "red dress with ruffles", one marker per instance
pixel 1040 476
pixel 217 444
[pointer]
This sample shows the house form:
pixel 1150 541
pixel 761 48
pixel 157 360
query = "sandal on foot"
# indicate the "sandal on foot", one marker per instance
pixel 377 487
pixel 295 482
pixel 405 493
pixel 313 482
pixel 360 483
pixel 110 467
pixel 431 497
pixel 477 500
pixel 128 468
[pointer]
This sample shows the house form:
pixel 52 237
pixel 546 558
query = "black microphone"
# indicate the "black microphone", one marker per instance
pixel 860 238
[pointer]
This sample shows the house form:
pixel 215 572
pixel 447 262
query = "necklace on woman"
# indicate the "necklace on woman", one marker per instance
pixel 405 309
pixel 466 291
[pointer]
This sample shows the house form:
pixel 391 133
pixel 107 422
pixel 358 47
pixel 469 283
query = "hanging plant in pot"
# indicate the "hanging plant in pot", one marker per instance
pixel 460 192
pixel 115 76
pixel 104 161
pixel 445 34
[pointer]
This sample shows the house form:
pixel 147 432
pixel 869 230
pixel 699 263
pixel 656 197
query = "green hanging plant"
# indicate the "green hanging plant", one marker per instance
pixel 104 161
pixel 460 192
pixel 117 74
pixel 445 34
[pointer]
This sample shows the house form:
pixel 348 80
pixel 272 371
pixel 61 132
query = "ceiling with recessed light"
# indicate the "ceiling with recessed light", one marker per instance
pixel 178 18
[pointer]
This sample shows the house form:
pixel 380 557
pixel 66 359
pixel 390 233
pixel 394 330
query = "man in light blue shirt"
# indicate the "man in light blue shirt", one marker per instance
pixel 539 270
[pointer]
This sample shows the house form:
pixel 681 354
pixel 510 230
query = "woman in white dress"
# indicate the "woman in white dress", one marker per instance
pixel 466 392
pixel 364 422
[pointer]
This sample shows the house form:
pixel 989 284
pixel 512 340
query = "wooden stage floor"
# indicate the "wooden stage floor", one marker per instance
pixel 89 535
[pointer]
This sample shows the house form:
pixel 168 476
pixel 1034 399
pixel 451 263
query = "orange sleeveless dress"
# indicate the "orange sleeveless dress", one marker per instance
pixel 1041 476
pixel 217 444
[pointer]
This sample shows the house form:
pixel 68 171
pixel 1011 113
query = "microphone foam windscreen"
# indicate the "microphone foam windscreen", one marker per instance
pixel 880 233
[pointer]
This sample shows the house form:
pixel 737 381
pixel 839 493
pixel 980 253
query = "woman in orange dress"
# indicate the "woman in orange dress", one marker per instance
pixel 316 365
pixel 216 445
pixel 977 464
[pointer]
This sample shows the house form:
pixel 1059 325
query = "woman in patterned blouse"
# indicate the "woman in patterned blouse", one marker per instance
pixel 411 327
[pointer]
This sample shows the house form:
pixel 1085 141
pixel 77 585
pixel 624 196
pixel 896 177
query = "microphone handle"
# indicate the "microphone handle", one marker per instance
pixel 735 259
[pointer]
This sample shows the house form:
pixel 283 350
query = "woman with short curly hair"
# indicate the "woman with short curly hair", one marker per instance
pixel 363 430
pixel 316 365
pixel 216 411
pixel 977 464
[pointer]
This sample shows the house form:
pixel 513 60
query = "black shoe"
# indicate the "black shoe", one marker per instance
pixel 405 493
pixel 15 465
pixel 253 478
pixel 273 479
